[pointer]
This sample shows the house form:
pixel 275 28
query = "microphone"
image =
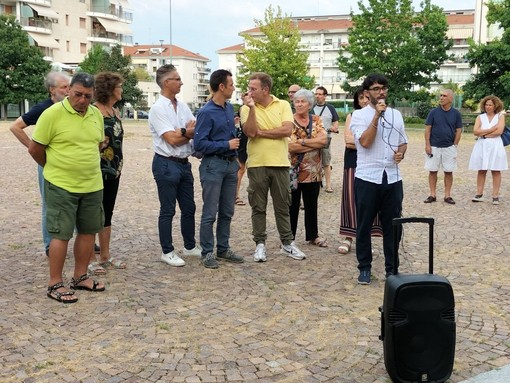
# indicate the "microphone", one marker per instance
pixel 381 102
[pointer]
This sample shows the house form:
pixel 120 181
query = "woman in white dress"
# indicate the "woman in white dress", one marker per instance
pixel 489 152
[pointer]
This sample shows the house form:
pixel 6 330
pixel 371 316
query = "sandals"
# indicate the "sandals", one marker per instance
pixel 75 284
pixel 58 296
pixel 113 264
pixel 240 202
pixel 329 190
pixel 345 246
pixel 320 242
pixel 96 268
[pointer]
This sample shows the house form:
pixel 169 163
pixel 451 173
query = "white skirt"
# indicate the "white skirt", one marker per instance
pixel 488 154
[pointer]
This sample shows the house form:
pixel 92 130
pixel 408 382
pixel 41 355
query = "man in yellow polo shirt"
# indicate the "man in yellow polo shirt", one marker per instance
pixel 66 142
pixel 268 121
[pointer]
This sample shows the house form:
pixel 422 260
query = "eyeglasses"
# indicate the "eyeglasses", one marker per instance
pixel 377 89
pixel 176 79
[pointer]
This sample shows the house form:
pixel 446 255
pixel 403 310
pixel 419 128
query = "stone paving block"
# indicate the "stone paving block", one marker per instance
pixel 281 321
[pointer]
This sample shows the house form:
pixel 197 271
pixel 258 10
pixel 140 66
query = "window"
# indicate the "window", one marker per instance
pixel 68 46
pixel 67 20
pixel 83 48
pixel 83 23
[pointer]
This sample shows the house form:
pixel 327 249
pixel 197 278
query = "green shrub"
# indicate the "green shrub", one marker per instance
pixel 422 109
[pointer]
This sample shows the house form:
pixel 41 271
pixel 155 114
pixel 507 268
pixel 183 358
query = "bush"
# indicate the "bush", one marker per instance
pixel 414 120
pixel 422 109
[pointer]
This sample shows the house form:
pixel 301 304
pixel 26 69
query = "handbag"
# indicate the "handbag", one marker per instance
pixel 505 136
pixel 294 169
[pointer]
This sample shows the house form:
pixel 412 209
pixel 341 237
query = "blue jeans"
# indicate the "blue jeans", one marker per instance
pixel 45 234
pixel 371 199
pixel 175 184
pixel 219 185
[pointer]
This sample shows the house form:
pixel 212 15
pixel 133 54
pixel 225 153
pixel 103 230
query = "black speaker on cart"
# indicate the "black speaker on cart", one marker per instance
pixel 418 321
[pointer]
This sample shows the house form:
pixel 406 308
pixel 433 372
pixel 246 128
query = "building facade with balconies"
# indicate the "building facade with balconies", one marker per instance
pixel 192 69
pixel 322 36
pixel 64 30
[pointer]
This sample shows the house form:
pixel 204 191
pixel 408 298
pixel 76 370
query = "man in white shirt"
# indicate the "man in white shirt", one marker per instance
pixel 381 143
pixel 172 126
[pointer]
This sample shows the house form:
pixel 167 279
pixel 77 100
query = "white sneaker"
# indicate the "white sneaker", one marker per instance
pixel 260 253
pixel 172 259
pixel 196 251
pixel 292 251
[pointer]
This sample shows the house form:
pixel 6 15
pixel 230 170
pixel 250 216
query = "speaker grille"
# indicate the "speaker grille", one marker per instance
pixel 395 316
pixel 448 315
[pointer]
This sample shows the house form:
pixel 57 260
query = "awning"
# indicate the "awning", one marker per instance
pixel 459 33
pixel 44 11
pixel 44 40
pixel 115 26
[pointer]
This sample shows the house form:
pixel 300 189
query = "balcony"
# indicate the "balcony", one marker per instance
pixel 37 24
pixel 204 70
pixel 112 12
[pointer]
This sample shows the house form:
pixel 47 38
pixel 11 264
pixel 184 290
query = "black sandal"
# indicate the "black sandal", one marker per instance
pixel 75 286
pixel 56 295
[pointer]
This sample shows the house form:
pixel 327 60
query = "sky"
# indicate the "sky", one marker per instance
pixel 206 26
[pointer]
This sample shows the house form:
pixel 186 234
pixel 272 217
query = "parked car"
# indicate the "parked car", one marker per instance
pixel 142 114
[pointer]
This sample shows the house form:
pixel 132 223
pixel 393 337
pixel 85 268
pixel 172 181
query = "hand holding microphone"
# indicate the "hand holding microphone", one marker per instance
pixel 381 107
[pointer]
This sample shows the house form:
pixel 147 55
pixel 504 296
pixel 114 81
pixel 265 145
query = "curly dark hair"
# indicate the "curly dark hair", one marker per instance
pixel 106 82
pixel 498 104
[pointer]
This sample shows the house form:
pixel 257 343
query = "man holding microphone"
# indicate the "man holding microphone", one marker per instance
pixel 381 143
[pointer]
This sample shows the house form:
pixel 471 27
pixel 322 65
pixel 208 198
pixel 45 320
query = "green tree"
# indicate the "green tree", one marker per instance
pixel 389 37
pixel 492 60
pixel 99 59
pixel 276 52
pixel 22 67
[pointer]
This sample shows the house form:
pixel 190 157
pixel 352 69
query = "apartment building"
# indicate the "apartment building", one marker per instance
pixel 64 30
pixel 192 69
pixel 322 36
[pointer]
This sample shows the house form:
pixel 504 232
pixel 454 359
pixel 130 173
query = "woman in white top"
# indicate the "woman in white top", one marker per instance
pixel 489 152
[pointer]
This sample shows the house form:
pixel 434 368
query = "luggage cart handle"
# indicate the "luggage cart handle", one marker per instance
pixel 397 223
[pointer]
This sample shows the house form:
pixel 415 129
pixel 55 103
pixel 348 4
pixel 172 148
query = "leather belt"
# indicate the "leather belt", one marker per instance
pixel 175 159
pixel 221 157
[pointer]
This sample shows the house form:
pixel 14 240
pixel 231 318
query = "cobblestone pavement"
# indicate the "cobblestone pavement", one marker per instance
pixel 280 321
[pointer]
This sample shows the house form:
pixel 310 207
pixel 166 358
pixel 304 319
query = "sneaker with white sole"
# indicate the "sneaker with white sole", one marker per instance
pixel 495 200
pixel 477 198
pixel 292 251
pixel 195 252
pixel 172 259
pixel 260 253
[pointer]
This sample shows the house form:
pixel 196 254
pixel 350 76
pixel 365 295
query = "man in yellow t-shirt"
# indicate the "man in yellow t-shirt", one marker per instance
pixel 66 142
pixel 267 122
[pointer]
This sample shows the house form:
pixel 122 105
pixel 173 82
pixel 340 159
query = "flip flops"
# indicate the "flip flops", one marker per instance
pixel 240 202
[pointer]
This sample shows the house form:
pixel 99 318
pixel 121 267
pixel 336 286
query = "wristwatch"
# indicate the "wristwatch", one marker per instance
pixel 303 142
pixel 183 131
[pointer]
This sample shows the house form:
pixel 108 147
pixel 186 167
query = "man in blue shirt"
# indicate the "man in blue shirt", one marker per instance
pixel 57 84
pixel 215 138
pixel 443 129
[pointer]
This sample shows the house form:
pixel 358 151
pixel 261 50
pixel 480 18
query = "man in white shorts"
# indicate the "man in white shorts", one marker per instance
pixel 443 128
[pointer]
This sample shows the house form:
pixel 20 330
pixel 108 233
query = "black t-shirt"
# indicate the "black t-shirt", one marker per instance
pixel 31 117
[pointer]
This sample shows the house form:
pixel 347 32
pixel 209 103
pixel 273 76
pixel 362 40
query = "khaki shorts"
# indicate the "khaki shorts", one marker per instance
pixel 445 158
pixel 66 211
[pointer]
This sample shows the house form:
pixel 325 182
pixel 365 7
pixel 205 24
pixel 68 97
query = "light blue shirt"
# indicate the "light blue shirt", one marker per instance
pixel 378 158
